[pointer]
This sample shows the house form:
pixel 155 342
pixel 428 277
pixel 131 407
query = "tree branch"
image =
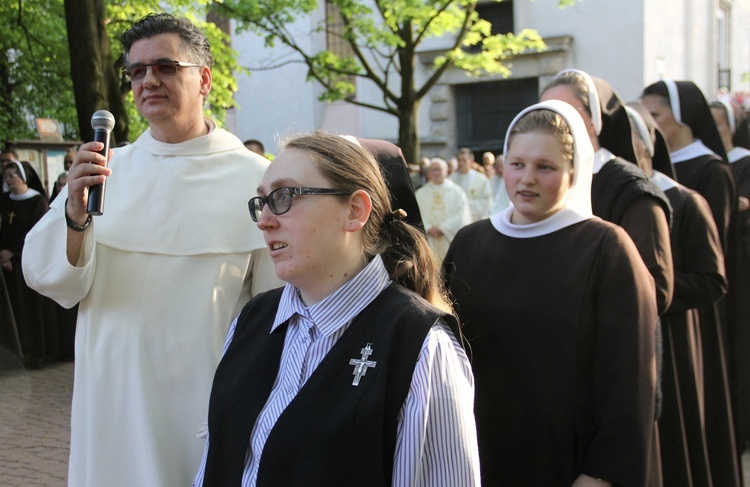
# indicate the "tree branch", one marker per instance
pixel 448 63
pixel 371 74
pixel 423 31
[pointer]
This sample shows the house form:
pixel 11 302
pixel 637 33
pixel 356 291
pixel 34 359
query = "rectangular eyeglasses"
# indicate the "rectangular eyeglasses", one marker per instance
pixel 279 200
pixel 160 69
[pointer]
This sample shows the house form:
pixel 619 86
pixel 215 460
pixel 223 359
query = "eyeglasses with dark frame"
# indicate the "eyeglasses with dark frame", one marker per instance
pixel 161 69
pixel 280 200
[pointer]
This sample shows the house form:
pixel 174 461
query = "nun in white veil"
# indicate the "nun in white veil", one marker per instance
pixel 699 157
pixel 560 314
pixel 577 200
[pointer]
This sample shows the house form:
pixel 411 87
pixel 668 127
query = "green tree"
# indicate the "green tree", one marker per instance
pixel 62 59
pixel 384 37
pixel 34 69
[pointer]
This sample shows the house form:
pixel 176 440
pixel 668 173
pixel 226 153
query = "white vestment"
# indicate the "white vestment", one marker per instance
pixel 160 277
pixel 478 190
pixel 500 198
pixel 446 207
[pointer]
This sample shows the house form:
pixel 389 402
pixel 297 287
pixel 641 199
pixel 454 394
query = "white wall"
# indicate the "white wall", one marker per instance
pixel 630 43
pixel 275 103
pixel 740 45
pixel 272 104
pixel 681 43
pixel 607 36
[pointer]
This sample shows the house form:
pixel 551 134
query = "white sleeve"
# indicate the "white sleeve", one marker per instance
pixel 437 439
pixel 45 262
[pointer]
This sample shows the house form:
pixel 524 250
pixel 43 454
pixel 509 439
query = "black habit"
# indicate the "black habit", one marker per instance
pixel 561 330
pixel 34 314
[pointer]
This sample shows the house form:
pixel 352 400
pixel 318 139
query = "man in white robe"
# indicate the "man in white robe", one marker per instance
pixel 444 207
pixel 159 276
pixel 500 198
pixel 475 184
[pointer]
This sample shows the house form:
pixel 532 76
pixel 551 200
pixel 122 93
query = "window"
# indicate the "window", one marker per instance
pixel 499 14
pixel 484 111
pixel 723 54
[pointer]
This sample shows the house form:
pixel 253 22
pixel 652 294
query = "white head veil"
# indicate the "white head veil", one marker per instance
pixel 640 126
pixel 594 106
pixel 577 206
pixel 730 114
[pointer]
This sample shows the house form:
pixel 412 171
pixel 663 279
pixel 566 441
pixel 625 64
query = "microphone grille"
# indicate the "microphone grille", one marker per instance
pixel 102 119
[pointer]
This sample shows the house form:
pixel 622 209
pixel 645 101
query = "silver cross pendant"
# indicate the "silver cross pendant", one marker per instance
pixel 362 364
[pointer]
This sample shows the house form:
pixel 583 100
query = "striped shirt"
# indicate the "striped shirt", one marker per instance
pixel 436 435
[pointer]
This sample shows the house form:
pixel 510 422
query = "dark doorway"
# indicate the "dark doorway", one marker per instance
pixel 484 111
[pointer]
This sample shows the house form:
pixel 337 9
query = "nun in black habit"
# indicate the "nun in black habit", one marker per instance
pixel 699 158
pixel 731 121
pixel 396 173
pixel 697 152
pixel 560 314
pixel 699 282
pixel 620 191
pixel 20 208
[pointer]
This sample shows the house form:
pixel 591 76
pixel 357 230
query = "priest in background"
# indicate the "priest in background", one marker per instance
pixel 444 207
pixel 475 184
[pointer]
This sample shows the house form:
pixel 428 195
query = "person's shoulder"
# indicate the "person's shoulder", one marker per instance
pixel 478 229
pixel 599 229
pixel 253 158
pixel 716 170
pixel 264 298
pixel 451 185
pixel 625 168
pixel 423 189
pixel 479 177
pixel 409 301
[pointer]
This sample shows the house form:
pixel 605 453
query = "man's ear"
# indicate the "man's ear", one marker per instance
pixel 206 81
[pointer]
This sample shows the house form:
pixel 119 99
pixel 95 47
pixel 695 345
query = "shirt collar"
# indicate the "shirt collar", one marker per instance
pixel 340 307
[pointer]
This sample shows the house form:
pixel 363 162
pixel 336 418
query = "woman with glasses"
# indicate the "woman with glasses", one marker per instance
pixel 351 374
pixel 20 208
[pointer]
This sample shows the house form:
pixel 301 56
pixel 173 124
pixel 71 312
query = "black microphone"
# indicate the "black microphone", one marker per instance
pixel 102 122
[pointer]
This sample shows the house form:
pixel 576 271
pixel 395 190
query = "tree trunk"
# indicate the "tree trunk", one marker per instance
pixel 95 83
pixel 408 135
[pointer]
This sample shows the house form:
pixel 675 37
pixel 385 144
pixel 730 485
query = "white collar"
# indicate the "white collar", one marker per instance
pixel 691 151
pixel 663 182
pixel 601 157
pixel 27 195
pixel 737 153
pixel 563 218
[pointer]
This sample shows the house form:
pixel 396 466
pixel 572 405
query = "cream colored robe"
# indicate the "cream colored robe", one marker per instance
pixel 159 280
pixel 478 190
pixel 500 198
pixel 446 207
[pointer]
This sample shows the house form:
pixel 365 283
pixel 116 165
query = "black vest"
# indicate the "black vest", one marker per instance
pixel 332 433
pixel 617 185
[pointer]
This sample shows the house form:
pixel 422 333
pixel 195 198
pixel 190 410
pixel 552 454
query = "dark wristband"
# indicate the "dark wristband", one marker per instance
pixel 73 225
